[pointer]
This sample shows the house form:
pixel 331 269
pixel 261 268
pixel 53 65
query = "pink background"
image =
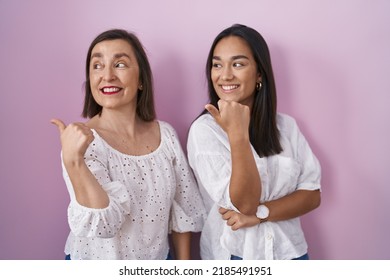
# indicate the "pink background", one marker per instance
pixel 332 65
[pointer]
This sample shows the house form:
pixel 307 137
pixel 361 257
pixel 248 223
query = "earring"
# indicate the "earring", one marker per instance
pixel 140 87
pixel 258 86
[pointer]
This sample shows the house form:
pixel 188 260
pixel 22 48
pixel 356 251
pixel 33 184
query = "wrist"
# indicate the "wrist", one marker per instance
pixel 236 138
pixel 73 162
pixel 262 213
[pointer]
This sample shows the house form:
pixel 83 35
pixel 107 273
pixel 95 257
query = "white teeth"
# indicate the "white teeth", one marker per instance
pixel 111 89
pixel 229 87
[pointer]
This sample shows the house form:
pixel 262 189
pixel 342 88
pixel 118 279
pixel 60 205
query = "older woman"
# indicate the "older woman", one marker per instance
pixel 128 179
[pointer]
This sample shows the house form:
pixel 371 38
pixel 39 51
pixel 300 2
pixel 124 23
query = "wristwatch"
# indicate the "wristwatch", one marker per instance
pixel 262 213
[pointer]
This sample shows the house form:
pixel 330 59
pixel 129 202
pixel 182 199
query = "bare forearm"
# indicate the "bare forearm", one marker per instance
pixel 182 245
pixel 88 191
pixel 293 205
pixel 245 183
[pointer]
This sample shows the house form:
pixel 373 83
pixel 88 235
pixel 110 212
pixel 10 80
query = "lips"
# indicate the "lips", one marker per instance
pixel 110 90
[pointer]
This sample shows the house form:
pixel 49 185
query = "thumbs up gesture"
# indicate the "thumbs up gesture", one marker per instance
pixel 75 139
pixel 232 116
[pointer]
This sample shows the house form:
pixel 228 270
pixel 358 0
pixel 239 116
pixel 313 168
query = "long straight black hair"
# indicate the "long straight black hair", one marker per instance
pixel 263 131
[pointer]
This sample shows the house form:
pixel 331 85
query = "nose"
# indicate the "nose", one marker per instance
pixel 227 73
pixel 108 74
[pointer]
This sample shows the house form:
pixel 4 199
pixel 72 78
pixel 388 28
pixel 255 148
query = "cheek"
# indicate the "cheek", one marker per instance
pixel 95 91
pixel 94 85
pixel 131 79
pixel 93 79
pixel 250 80
pixel 96 96
pixel 214 77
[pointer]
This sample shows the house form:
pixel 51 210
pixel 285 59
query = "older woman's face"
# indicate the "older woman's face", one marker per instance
pixel 114 75
pixel 234 71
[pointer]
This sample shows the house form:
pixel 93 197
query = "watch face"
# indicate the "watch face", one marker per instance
pixel 263 212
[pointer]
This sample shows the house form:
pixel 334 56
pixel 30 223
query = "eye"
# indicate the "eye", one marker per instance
pixel 238 64
pixel 216 65
pixel 96 66
pixel 120 65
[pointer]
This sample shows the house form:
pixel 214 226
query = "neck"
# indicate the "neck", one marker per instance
pixel 120 123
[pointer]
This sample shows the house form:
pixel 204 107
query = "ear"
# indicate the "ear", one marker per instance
pixel 259 78
pixel 140 83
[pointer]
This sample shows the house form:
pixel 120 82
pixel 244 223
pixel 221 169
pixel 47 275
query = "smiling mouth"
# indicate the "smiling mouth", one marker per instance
pixel 229 87
pixel 110 90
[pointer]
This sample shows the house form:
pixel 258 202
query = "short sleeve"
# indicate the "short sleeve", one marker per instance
pixel 310 170
pixel 310 176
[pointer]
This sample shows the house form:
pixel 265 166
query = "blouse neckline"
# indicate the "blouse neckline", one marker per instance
pixel 133 156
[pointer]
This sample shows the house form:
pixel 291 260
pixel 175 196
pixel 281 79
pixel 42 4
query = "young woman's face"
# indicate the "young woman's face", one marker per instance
pixel 234 71
pixel 114 74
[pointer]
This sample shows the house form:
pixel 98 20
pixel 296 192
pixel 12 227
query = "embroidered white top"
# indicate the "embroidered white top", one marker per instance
pixel 296 168
pixel 150 195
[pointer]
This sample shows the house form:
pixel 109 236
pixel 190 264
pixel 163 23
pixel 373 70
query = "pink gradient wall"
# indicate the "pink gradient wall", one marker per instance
pixel 331 61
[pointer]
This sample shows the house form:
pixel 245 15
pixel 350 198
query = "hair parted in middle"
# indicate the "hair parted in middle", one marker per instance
pixel 145 99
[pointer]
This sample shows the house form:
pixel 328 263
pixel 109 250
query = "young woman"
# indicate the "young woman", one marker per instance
pixel 128 179
pixel 255 170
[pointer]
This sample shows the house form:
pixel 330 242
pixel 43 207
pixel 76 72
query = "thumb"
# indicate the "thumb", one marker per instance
pixel 60 124
pixel 213 111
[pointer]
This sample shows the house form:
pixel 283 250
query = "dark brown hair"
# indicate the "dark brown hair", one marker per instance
pixel 263 131
pixel 145 100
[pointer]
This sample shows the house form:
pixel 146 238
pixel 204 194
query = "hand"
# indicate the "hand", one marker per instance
pixel 237 220
pixel 232 116
pixel 75 139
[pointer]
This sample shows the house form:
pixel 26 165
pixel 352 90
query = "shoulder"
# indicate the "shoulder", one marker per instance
pixel 98 132
pixel 165 125
pixel 166 129
pixel 205 119
pixel 169 135
pixel 206 136
pixel 205 123
pixel 286 123
pixel 97 149
pixel 98 141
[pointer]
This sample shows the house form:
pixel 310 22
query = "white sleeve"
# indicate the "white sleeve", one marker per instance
pixel 210 158
pixel 310 169
pixel 187 212
pixel 91 222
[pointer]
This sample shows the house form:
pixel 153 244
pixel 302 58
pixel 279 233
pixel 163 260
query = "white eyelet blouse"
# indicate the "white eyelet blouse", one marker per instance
pixel 295 168
pixel 150 195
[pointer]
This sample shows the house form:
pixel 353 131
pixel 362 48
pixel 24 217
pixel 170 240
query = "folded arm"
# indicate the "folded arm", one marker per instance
pixel 288 207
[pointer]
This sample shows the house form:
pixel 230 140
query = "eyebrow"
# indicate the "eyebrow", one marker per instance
pixel 232 58
pixel 117 55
